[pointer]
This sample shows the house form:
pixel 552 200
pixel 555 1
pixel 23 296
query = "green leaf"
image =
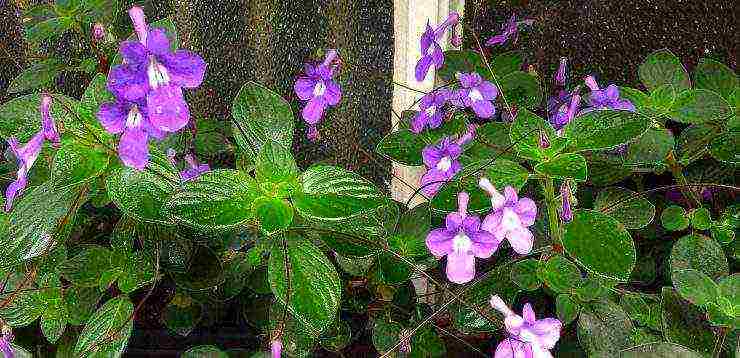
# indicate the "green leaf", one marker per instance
pixel 275 164
pixel 725 147
pixel 522 89
pixel 674 218
pixel 20 117
pixel 729 288
pixel 260 116
pixel 715 76
pixel 142 194
pixel 385 335
pixel 524 274
pixel 49 29
pixel 136 270
pixel 601 244
pixel 80 303
pixel 659 350
pixel 663 67
pixel 604 129
pixel 427 344
pixel 567 309
pixel 40 74
pixel 96 93
pixel 274 214
pixel 302 278
pixel 525 134
pixel 643 309
pixel 203 270
pixel 217 200
pixel 682 323
pixel 465 61
pixel 693 142
pixel 701 218
pixel 333 193
pixel 662 98
pixel 500 172
pixel 604 171
pixel 182 318
pixel 402 146
pixel 36 222
pixel 505 64
pixel 700 106
pixel 67 6
pixel 75 164
pixel 560 274
pixel 650 148
pixel 698 252
pixel 409 239
pixel 85 268
pixel 469 320
pixel 54 320
pixel 633 211
pixel 108 330
pixel 567 165
pixel 337 337
pixel 204 351
pixel 604 329
pixel 491 141
pixel 695 286
pixel 27 305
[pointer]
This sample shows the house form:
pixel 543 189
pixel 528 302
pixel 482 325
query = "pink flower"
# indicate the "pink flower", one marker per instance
pixel 462 240
pixel 510 217
pixel 277 348
pixel 528 337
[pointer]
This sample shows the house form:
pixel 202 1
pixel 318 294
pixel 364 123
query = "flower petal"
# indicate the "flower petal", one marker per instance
pixel 166 108
pixel 432 155
pixel 488 90
pixel 303 88
pixel 492 224
pixel 419 122
pixel 112 115
pixel 511 348
pixel 133 53
pixel 333 93
pixel 16 188
pixel 547 331
pixel 422 67
pixel 133 148
pixel 526 209
pixel 185 68
pixel 460 267
pixel 431 181
pixel 314 110
pixel 157 42
pixel 521 240
pixel 483 109
pixel 128 82
pixel 510 194
pixel 484 244
pixel 528 313
pixel 439 242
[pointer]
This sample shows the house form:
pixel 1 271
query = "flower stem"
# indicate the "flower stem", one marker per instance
pixel 552 211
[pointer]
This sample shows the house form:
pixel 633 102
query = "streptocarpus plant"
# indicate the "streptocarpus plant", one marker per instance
pixel 526 201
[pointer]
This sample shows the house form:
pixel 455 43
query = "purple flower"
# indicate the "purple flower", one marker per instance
pixel 566 213
pixel 510 31
pixel 462 240
pixel 476 94
pixel 560 74
pixel 510 217
pixel 132 120
pixel 607 98
pixel 528 337
pixel 98 31
pixel 153 73
pixel 441 162
pixel 431 51
pixel 194 170
pixel 430 114
pixel 566 112
pixel 5 346
pixel 26 156
pixel 276 346
pixel 318 89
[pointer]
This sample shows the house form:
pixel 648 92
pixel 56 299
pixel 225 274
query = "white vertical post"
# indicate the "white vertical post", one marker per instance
pixel 409 20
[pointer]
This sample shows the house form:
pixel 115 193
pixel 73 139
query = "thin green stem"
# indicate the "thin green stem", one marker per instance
pixel 552 211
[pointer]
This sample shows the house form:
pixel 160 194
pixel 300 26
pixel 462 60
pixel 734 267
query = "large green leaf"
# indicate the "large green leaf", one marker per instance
pixel 699 252
pixel 402 146
pixel 274 214
pixel 603 129
pixel 650 148
pixel 700 106
pixel 75 164
pixel 725 147
pixel 659 350
pixel 96 93
pixel 522 89
pixel 86 268
pixel 491 141
pixel 333 193
pixel 39 75
pixel 684 323
pixel 217 200
pixel 634 211
pixel 695 286
pixel 464 61
pixel 108 330
pixel 601 244
pixel 663 67
pixel 525 134
pixel 715 76
pixel 275 164
pixel 304 280
pixel 409 238
pixel 20 117
pixel 204 351
pixel 560 274
pixel 567 165
pixel 261 115
pixel 604 329
pixel 49 29
pixel 39 220
pixel 524 274
pixel 142 194
pixel 692 143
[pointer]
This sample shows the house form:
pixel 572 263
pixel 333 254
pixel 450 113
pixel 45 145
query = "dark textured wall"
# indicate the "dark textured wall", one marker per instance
pixel 611 38
pixel 12 53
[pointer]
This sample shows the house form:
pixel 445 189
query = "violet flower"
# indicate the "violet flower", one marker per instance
pixel 510 217
pixel 607 98
pixel 528 337
pixel 5 347
pixel 194 169
pixel 151 72
pixel 566 212
pixel 276 346
pixel 510 31
pixel 430 111
pixel 131 119
pixel 476 94
pixel 431 51
pixel 442 162
pixel 319 90
pixel 561 72
pixel 26 155
pixel 98 32
pixel 461 240
pixel 565 112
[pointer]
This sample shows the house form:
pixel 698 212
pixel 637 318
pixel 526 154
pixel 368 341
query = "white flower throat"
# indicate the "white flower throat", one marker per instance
pixel 475 95
pixel 134 118
pixel 319 89
pixel 461 242
pixel 444 164
pixel 157 74
pixel 431 110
